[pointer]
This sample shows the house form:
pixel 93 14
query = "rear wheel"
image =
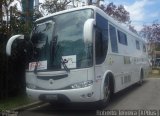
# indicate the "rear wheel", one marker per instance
pixel 141 78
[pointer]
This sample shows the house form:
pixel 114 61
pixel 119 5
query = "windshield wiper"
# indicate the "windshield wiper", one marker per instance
pixel 63 62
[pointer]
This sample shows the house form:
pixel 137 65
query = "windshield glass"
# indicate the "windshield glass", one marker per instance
pixel 62 38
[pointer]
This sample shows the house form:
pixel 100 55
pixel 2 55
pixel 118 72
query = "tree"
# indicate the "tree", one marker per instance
pixel 75 3
pixel 89 2
pixel 11 70
pixel 151 32
pixel 131 28
pixel 152 35
pixel 6 5
pixel 119 13
pixel 1 13
pixel 52 6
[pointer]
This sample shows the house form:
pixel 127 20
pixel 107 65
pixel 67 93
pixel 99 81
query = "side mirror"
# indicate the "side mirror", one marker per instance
pixel 10 42
pixel 88 30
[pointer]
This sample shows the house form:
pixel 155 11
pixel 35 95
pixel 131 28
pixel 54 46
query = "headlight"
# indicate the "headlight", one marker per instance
pixel 82 84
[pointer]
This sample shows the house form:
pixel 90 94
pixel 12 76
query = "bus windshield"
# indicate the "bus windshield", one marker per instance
pixel 62 38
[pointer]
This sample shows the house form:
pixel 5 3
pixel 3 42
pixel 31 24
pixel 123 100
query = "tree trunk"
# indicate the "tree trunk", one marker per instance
pixel 73 3
pixel 89 2
pixel 1 13
pixel 97 3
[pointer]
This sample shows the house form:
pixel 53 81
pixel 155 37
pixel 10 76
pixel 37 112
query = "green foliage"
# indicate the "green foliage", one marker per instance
pixel 12 81
pixel 52 6
pixel 11 103
pixel 151 32
pixel 119 13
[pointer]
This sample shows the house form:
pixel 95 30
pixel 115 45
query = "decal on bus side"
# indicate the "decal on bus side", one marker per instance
pixel 126 79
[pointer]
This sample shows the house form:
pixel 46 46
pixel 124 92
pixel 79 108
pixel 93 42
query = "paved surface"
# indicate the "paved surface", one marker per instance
pixel 136 97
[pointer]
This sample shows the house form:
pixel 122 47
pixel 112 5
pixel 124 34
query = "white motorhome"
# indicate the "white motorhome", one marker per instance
pixel 82 55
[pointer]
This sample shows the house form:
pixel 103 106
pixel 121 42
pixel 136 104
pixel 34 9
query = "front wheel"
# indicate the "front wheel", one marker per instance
pixel 107 93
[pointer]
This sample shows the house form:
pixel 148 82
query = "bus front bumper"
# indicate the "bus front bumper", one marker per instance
pixel 86 94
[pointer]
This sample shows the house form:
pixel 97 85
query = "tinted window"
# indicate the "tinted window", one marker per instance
pixel 144 48
pixel 99 48
pixel 101 39
pixel 122 38
pixel 113 38
pixel 137 45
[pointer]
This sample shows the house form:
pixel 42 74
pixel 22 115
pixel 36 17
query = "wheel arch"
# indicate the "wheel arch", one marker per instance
pixel 141 72
pixel 108 74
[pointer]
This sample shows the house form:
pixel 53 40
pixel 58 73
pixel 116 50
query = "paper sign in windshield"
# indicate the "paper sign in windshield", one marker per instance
pixel 70 61
pixel 41 65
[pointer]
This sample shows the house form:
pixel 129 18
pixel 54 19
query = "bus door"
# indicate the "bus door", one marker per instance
pixel 101 45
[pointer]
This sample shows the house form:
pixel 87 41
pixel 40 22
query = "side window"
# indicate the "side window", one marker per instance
pixel 137 45
pixel 122 38
pixel 101 39
pixel 144 48
pixel 99 47
pixel 113 39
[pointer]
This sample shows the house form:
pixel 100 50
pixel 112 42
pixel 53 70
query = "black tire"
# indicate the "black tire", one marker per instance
pixel 141 78
pixel 107 94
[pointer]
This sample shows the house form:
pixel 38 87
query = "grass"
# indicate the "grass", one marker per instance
pixel 14 102
pixel 155 72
